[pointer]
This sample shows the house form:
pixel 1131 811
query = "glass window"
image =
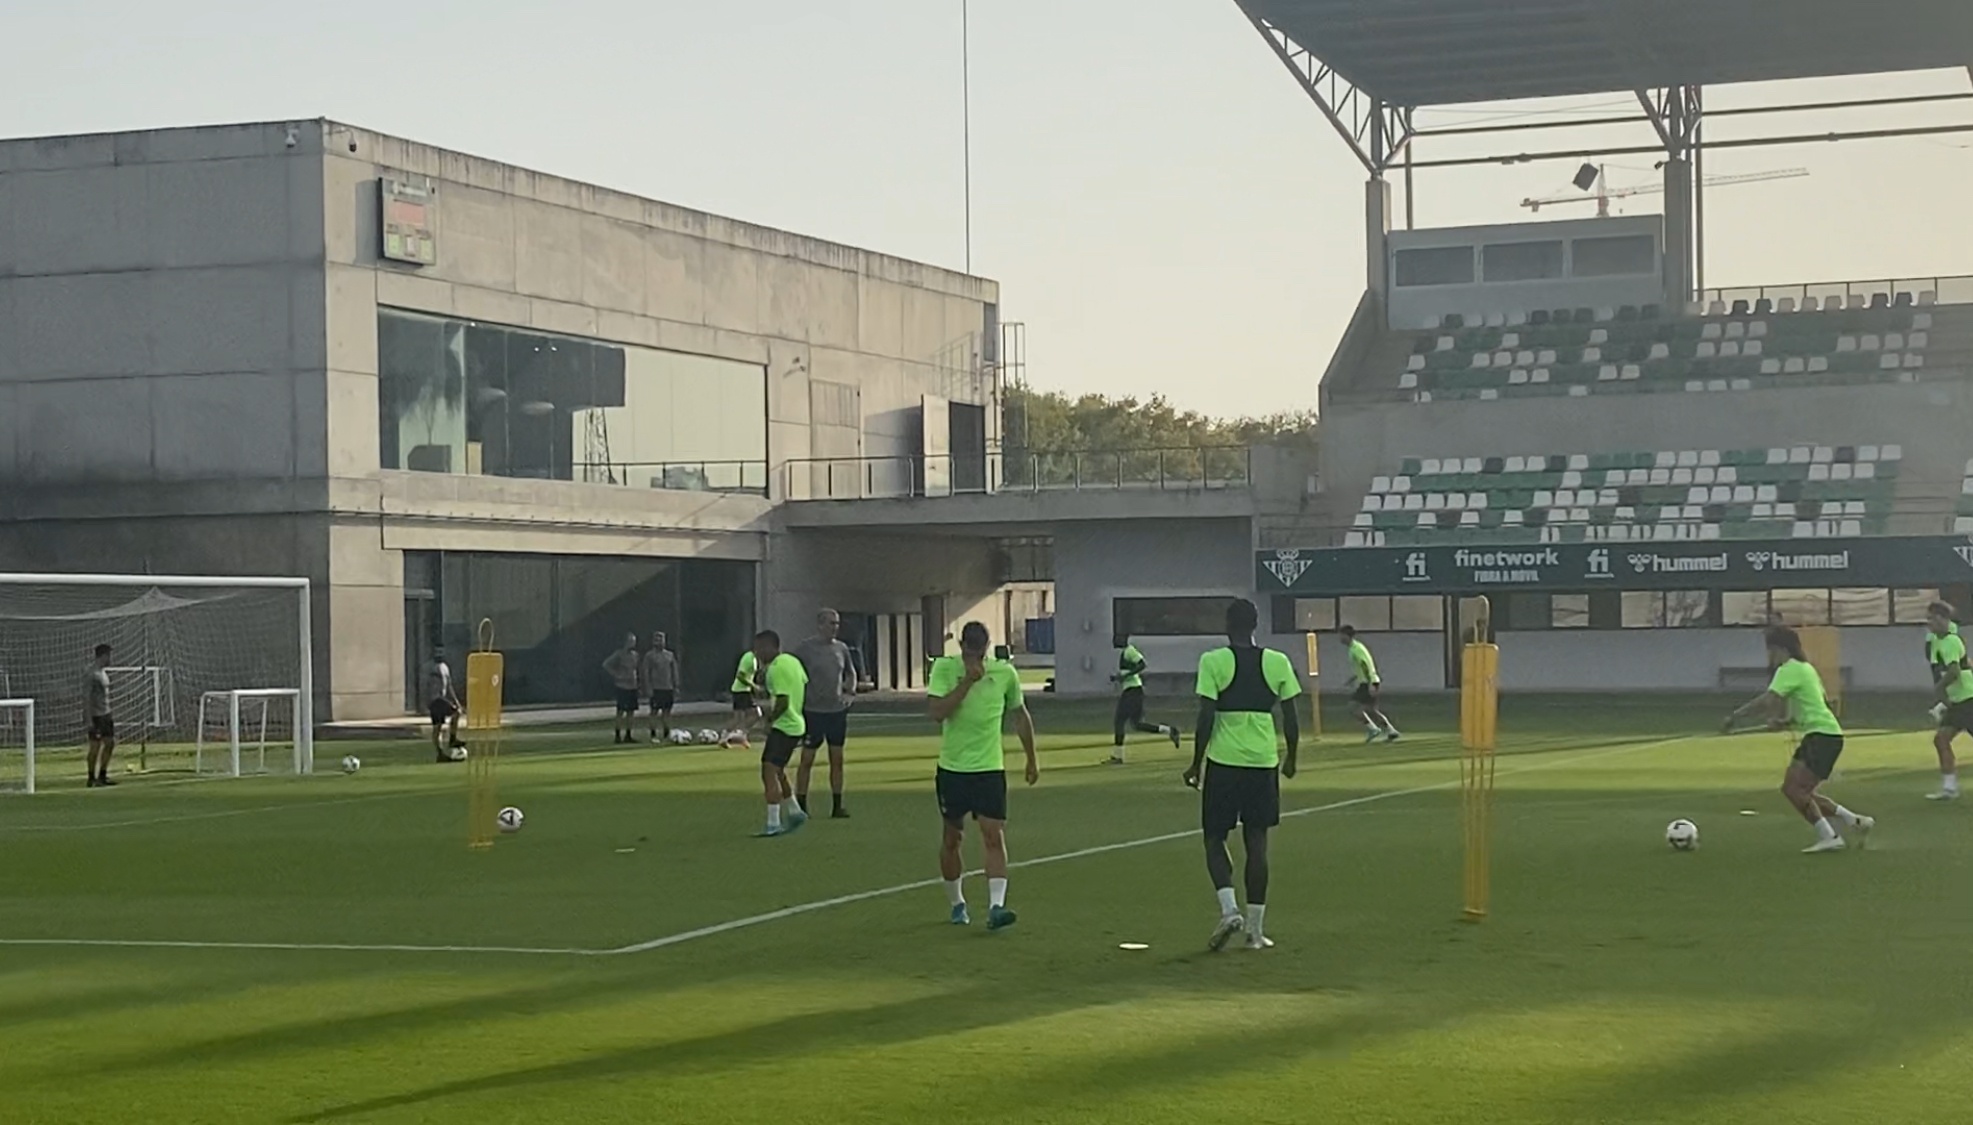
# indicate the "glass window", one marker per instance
pixel 1908 606
pixel 1521 261
pixel 1529 611
pixel 1434 265
pixel 483 399
pixel 1570 611
pixel 1801 607
pixel 1368 615
pixel 1418 614
pixel 1643 609
pixel 1860 607
pixel 1169 617
pixel 1315 615
pixel 1687 609
pixel 1744 608
pixel 1612 257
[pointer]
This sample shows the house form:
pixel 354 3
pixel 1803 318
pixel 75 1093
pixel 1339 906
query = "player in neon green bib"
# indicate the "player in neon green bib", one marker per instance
pixel 1945 651
pixel 786 682
pixel 1795 699
pixel 969 696
pixel 1129 715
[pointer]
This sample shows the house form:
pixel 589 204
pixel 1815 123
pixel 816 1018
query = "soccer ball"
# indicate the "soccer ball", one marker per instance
pixel 681 738
pixel 352 763
pixel 457 753
pixel 509 819
pixel 1682 835
pixel 710 737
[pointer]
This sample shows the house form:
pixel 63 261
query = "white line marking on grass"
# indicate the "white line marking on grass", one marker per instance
pixel 806 907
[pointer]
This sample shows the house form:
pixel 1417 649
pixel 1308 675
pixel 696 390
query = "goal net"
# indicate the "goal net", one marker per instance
pixel 183 653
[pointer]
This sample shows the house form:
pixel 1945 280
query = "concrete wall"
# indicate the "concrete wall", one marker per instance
pixel 876 572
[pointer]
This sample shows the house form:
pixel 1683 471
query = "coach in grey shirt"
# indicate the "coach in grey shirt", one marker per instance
pixel 831 686
pixel 659 673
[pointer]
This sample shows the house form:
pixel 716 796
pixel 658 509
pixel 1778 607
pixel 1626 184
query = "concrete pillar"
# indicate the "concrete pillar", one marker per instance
pixel 1376 231
pixel 1679 265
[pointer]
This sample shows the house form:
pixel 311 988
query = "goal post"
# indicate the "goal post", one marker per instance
pixel 17 731
pixel 243 717
pixel 176 640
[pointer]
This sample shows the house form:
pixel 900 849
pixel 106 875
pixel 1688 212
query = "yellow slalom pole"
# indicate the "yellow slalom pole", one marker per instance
pixel 1479 715
pixel 485 671
pixel 1314 689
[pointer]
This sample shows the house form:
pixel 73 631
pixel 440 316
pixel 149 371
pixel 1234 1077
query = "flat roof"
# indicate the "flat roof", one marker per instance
pixel 1441 52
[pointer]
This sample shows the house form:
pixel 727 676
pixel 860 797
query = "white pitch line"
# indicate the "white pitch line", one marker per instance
pixel 806 907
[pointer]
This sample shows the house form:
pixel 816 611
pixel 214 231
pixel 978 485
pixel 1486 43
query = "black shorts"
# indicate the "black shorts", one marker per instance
pixel 442 710
pixel 1249 795
pixel 626 701
pixel 1818 753
pixel 1958 718
pixel 1130 705
pixel 831 727
pixel 1365 695
pixel 662 700
pixel 780 747
pixel 102 726
pixel 982 796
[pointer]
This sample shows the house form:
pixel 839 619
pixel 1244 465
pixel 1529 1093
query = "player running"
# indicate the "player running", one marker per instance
pixel 625 669
pixel 746 680
pixel 1795 698
pixel 1130 702
pixel 1945 651
pixel 831 687
pixel 1363 674
pixel 1241 686
pixel 658 672
pixel 102 723
pixel 969 695
pixel 786 686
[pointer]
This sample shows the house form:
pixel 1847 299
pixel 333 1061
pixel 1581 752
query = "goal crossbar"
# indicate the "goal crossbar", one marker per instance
pixel 305 700
pixel 26 708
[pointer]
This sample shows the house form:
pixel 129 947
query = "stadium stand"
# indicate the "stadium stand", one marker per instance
pixel 1718 348
pixel 1800 491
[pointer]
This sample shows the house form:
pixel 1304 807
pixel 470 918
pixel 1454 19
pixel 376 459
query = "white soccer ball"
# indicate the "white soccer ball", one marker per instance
pixel 352 763
pixel 457 753
pixel 710 737
pixel 681 738
pixel 1682 835
pixel 509 819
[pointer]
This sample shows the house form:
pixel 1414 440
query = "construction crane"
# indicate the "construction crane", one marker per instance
pixel 1604 193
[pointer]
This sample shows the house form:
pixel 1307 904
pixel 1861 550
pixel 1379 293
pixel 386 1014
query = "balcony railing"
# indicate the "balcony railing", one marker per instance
pixel 748 477
pixel 1177 469
pixel 1944 290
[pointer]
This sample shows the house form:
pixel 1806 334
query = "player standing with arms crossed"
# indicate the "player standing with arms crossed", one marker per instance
pixel 1795 698
pixel 831 686
pixel 626 674
pixel 1240 688
pixel 1130 701
pixel 659 673
pixel 786 686
pixel 1363 673
pixel 1945 651
pixel 969 695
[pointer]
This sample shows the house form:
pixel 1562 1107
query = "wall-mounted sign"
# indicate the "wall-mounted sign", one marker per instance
pixel 410 222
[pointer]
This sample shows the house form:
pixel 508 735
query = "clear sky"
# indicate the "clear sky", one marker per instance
pixel 1162 206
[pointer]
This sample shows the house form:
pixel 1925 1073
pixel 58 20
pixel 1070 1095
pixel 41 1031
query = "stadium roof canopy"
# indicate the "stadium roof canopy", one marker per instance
pixel 1418 53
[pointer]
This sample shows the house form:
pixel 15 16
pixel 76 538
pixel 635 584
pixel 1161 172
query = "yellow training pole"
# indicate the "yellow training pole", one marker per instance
pixel 484 671
pixel 1479 715
pixel 1314 689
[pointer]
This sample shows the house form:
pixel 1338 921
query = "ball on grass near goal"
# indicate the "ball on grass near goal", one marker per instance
pixel 1682 835
pixel 457 753
pixel 681 738
pixel 509 819
pixel 709 737
pixel 352 763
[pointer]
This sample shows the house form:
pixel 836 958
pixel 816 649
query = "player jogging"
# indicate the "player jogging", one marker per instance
pixel 102 724
pixel 1795 698
pixel 443 702
pixel 1945 651
pixel 746 680
pixel 659 673
pixel 1241 687
pixel 969 696
pixel 831 686
pixel 625 669
pixel 1130 702
pixel 1363 673
pixel 786 684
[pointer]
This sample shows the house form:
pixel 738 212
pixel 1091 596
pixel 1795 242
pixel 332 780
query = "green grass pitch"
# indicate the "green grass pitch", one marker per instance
pixel 1617 981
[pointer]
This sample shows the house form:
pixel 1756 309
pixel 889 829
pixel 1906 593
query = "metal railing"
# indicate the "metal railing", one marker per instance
pixel 1175 469
pixel 748 477
pixel 1946 291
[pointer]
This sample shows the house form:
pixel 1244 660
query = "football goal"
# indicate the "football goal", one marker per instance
pixel 205 675
pixel 17 745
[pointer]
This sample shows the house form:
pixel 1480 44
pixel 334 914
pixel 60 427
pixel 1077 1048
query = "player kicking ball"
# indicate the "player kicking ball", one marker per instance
pixel 786 684
pixel 1795 698
pixel 969 696
pixel 1240 688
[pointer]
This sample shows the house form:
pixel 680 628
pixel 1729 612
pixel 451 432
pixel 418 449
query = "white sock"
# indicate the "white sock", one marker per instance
pixel 774 816
pixel 1949 782
pixel 1846 816
pixel 1256 911
pixel 1229 903
pixel 953 893
pixel 1824 829
pixel 996 892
